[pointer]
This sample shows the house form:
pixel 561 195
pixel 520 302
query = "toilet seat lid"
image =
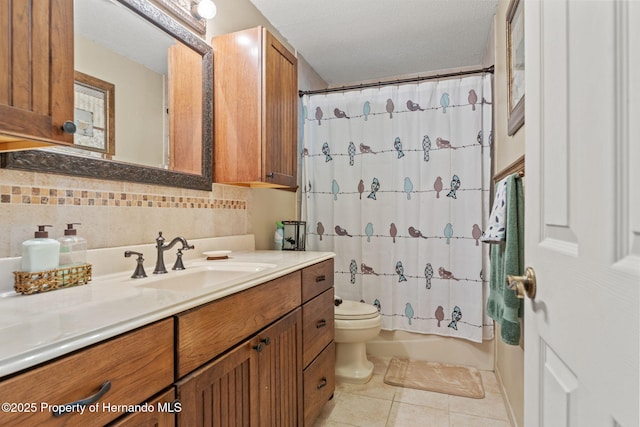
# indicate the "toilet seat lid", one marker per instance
pixel 352 310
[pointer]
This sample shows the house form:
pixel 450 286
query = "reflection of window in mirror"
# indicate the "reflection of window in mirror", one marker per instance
pixel 94 116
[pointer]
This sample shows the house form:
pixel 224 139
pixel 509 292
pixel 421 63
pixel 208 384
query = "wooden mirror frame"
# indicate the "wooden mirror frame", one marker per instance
pixel 50 162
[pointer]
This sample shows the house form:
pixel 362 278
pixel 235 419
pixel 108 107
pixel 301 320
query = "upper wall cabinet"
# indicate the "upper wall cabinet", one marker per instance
pixel 36 77
pixel 255 110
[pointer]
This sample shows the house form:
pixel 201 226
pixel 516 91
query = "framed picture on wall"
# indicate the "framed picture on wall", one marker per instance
pixel 515 64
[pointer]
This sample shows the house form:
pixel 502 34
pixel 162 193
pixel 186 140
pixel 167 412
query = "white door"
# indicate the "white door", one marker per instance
pixel 582 119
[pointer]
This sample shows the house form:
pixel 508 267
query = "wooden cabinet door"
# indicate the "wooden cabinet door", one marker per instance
pixel 280 364
pixel 223 392
pixel 185 111
pixel 36 79
pixel 255 110
pixel 280 113
pixel 237 81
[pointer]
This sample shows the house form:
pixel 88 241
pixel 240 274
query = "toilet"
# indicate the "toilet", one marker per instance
pixel 355 324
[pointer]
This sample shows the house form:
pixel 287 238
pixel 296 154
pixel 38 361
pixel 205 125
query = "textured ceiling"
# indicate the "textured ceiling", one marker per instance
pixel 349 41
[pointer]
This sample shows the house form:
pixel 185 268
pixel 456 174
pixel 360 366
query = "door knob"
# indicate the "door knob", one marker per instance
pixel 523 285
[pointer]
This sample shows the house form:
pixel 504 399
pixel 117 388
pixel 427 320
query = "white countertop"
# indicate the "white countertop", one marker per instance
pixel 38 328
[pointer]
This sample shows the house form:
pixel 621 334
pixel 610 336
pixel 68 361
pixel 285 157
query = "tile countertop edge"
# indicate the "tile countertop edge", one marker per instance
pixel 31 357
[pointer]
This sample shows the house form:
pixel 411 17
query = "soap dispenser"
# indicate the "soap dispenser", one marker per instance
pixel 73 248
pixel 278 236
pixel 40 253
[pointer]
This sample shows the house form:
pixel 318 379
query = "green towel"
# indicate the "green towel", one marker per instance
pixel 507 258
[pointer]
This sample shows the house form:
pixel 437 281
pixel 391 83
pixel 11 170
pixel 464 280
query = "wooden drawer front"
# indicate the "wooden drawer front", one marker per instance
pixel 317 325
pixel 317 279
pixel 319 383
pixel 205 332
pixel 162 416
pixel 138 364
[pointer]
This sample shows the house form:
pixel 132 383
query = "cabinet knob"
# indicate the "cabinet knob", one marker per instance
pixel 270 175
pixel 266 341
pixel 258 347
pixel 69 127
pixel 322 383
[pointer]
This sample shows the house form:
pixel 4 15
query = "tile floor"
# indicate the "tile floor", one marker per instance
pixel 377 404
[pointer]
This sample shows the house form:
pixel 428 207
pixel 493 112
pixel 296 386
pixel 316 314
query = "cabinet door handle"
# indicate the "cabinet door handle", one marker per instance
pixel 104 388
pixel 321 323
pixel 266 341
pixel 322 383
pixel 270 175
pixel 321 278
pixel 258 347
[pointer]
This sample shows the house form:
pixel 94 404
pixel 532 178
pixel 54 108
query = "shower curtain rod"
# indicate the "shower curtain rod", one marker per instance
pixel 302 93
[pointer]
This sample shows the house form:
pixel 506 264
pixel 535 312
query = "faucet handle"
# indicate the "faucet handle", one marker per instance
pixel 139 273
pixel 178 265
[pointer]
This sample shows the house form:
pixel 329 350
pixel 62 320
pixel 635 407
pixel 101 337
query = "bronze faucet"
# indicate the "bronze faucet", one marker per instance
pixel 160 268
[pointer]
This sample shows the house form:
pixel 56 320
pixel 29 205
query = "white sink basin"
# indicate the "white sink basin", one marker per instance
pixel 203 275
pixel 190 280
pixel 249 267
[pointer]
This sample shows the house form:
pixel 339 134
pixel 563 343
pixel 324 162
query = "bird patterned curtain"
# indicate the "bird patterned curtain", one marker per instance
pixel 396 183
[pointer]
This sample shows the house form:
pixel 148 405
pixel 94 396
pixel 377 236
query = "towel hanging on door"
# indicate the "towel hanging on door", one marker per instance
pixel 507 258
pixel 496 226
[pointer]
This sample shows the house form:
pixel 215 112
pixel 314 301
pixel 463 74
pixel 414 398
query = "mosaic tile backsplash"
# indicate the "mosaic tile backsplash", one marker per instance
pixel 53 196
pixel 114 213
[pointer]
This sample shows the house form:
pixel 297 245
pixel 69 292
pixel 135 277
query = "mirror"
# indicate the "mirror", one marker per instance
pixel 161 105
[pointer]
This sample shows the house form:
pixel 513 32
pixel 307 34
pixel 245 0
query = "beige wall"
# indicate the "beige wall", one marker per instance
pixel 139 101
pixel 507 149
pixel 116 213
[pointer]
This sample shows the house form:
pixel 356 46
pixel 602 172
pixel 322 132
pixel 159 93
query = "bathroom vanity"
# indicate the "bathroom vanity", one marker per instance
pixel 257 349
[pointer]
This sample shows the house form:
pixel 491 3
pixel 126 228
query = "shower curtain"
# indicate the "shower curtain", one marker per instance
pixel 396 183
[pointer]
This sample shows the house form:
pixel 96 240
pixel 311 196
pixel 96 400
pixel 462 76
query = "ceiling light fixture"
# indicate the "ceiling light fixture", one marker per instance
pixel 205 9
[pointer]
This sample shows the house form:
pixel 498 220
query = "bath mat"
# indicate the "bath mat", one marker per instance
pixel 438 377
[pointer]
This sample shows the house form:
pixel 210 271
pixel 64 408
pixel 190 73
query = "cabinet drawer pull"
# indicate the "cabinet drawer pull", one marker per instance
pixel 322 383
pixel 258 347
pixel 321 323
pixel 321 278
pixel 270 175
pixel 70 407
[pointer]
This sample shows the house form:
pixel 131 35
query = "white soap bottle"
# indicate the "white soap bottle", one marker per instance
pixel 278 236
pixel 73 248
pixel 40 253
